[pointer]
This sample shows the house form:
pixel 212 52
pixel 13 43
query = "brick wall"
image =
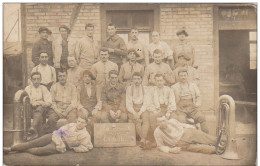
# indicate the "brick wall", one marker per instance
pixel 53 15
pixel 198 20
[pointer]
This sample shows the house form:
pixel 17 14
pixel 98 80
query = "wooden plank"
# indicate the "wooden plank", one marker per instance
pixel 114 134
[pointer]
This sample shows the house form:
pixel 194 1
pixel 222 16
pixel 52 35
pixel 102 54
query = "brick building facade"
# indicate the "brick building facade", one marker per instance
pixel 200 21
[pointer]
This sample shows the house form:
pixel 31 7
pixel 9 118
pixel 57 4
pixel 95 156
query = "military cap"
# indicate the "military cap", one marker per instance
pixel 44 29
pixel 65 27
pixel 182 31
pixel 183 55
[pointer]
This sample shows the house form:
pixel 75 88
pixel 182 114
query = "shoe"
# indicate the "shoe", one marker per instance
pixel 142 143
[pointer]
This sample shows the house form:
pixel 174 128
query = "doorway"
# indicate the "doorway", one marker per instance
pixel 237 69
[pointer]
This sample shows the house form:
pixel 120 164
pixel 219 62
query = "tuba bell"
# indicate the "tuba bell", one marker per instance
pixel 226 128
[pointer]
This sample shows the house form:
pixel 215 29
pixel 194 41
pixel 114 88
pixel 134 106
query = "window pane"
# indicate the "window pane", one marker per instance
pixel 252 64
pixel 120 18
pixel 141 18
pixel 252 36
pixel 253 51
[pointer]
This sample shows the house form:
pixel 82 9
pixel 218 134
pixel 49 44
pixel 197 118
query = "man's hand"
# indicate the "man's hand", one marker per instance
pixel 175 150
pixel 111 50
pixel 79 150
pixel 61 149
pixel 94 112
pixel 112 114
pixel 118 114
pixel 35 103
pixel 167 115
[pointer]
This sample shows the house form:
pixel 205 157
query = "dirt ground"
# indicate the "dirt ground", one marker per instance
pixel 129 156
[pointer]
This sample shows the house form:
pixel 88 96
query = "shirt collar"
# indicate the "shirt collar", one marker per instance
pixel 114 38
pixel 111 87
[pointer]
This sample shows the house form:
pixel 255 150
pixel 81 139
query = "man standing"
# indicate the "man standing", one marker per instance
pixel 187 97
pixel 48 74
pixel 142 56
pixel 113 101
pixel 70 136
pixel 101 69
pixel 115 45
pixel 163 46
pixel 129 68
pixel 157 67
pixel 162 101
pixel 137 102
pixel 63 47
pixel 172 136
pixel 87 49
pixel 40 99
pixel 42 44
pixel 185 47
pixel 183 60
pixel 64 98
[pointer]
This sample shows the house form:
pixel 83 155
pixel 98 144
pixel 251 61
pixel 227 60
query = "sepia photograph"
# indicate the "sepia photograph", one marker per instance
pixel 115 84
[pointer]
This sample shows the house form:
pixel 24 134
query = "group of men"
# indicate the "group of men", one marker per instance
pixel 150 85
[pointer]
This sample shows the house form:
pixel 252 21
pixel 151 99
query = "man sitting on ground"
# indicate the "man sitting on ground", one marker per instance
pixel 70 136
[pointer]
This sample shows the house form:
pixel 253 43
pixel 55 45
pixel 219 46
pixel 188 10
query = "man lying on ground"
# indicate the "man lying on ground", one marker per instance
pixel 173 136
pixel 70 136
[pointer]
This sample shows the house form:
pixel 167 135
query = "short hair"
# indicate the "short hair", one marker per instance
pixel 89 25
pixel 111 25
pixel 87 72
pixel 157 51
pixel 83 117
pixel 65 27
pixel 72 57
pixel 133 28
pixel 36 73
pixel 62 70
pixel 137 74
pixel 103 49
pixel 158 75
pixel 112 72
pixel 43 51
pixel 131 50
pixel 181 70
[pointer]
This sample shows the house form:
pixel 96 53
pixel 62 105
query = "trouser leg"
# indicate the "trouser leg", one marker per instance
pixel 72 116
pixel 179 115
pixel 197 136
pixel 52 121
pixel 199 118
pixel 45 150
pixel 123 117
pixel 37 118
pixel 145 124
pixel 38 142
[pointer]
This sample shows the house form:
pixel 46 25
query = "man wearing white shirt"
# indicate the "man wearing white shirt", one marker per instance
pixel 40 100
pixel 173 136
pixel 162 101
pixel 48 74
pixel 137 102
pixel 101 69
pixel 167 53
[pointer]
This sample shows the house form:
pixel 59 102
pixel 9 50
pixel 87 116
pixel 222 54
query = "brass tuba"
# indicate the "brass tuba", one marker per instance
pixel 226 127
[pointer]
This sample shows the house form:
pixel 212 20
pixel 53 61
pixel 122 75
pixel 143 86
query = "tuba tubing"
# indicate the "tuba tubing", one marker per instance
pixel 227 102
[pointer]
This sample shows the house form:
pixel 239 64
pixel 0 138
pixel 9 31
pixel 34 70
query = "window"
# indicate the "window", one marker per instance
pixel 125 19
pixel 253 51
